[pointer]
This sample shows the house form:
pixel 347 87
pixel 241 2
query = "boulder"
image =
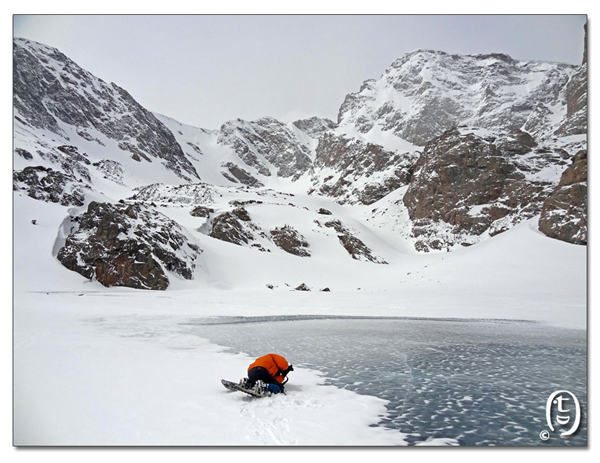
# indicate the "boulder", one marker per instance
pixel 288 239
pixel 128 245
pixel 233 227
pixel 303 287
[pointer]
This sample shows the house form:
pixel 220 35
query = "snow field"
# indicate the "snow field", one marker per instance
pixel 76 384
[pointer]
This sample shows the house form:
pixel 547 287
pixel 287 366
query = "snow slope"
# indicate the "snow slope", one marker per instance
pixel 519 268
pixel 78 385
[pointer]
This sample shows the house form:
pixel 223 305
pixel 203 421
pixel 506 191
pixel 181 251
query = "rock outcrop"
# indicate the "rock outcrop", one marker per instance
pixel 128 245
pixel 233 227
pixel 266 145
pixel 357 249
pixel 575 121
pixel 564 212
pixel 291 241
pixel 45 184
pixel 236 174
pixel 315 127
pixel 466 185
pixel 352 170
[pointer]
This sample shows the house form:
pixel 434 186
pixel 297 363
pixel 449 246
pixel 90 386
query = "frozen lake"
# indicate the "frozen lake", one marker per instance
pixel 476 381
pixel 481 382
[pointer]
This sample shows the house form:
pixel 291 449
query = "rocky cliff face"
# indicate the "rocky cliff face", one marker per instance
pixel 425 93
pixel 470 183
pixel 355 171
pixel 268 146
pixel 52 92
pixel 575 121
pixel 564 212
pixel 314 126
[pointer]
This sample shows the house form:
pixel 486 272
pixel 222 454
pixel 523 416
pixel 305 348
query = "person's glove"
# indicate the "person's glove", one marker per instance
pixel 274 388
pixel 286 371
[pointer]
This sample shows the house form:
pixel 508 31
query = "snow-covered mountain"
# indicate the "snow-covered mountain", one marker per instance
pixel 425 93
pixel 53 94
pixel 442 151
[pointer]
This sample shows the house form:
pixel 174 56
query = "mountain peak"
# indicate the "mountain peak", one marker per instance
pixel 426 92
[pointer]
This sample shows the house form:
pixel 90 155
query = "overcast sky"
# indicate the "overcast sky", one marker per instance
pixel 205 70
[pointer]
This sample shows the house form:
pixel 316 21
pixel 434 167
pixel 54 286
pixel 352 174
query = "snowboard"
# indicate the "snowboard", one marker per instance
pixel 235 387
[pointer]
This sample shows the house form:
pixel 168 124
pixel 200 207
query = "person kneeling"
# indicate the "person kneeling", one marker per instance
pixel 267 374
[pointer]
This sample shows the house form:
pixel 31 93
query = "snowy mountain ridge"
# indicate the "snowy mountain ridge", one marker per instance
pixel 427 92
pixel 442 152
pixel 53 93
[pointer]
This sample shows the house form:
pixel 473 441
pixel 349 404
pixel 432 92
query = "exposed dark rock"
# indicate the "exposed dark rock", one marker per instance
pixel 49 185
pixel 24 154
pixel 73 153
pixel 128 245
pixel 288 239
pixel 314 126
pixel 355 159
pixel 86 136
pixel 302 287
pixel 564 213
pixel 66 159
pixel 575 121
pixel 235 174
pixel 112 170
pixel 195 147
pixel 324 211
pixel 202 211
pixel 233 227
pixel 355 247
pixel 248 202
pixel 471 185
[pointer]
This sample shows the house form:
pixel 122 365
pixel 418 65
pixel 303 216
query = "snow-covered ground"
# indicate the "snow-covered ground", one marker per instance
pixel 76 383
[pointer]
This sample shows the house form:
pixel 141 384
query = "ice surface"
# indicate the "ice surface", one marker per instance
pixel 478 382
